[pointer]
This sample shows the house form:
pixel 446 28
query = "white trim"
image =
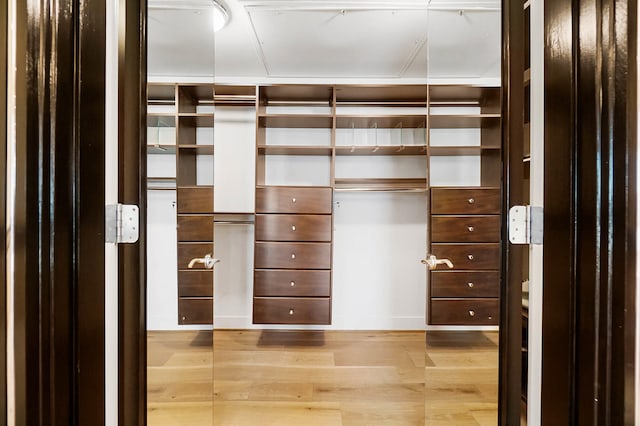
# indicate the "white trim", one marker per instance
pixel 534 345
pixel 10 209
pixel 111 197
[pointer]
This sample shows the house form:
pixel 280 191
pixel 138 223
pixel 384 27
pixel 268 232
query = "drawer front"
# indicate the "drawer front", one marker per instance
pixel 465 312
pixel 465 229
pixel 188 251
pixel 465 284
pixel 465 201
pixel 284 199
pixel 285 283
pixel 293 255
pixel 195 200
pixel 468 256
pixel 195 228
pixel 291 311
pixel 195 311
pixel 285 227
pixel 195 283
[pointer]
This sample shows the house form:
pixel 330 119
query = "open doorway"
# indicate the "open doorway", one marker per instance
pixel 299 146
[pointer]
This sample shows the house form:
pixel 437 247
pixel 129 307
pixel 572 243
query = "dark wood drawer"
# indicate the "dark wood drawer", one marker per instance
pixel 465 284
pixel 293 227
pixel 195 200
pixel 195 228
pixel 293 255
pixel 197 310
pixel 188 251
pixel 468 256
pixel 195 283
pixel 291 310
pixel 465 201
pixel 465 229
pixel 291 283
pixel 465 312
pixel 291 199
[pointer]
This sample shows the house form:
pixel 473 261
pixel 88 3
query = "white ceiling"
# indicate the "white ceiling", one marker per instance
pixel 325 39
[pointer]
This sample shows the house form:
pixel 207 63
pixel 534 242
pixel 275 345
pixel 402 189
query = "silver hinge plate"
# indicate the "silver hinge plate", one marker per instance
pixel 526 225
pixel 122 224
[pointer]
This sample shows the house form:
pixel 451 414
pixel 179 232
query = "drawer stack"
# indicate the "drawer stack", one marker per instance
pixel 465 228
pixel 195 240
pixel 292 278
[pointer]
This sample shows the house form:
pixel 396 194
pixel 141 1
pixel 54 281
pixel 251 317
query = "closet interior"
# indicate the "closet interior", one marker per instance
pixel 311 143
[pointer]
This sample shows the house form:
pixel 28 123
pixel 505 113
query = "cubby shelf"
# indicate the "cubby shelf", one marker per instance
pixel 161 149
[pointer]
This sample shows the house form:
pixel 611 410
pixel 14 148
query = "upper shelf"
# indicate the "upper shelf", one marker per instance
pixel 464 121
pixel 305 121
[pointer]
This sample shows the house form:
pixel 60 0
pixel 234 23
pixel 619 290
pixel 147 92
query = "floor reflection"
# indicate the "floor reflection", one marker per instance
pixel 318 378
pixel 179 378
pixel 461 378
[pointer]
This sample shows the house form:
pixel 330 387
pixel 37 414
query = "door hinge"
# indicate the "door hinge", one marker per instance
pixel 122 223
pixel 526 225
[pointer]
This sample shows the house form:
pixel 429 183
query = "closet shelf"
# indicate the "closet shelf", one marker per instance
pixel 294 150
pixel 161 119
pixel 298 121
pixel 461 150
pixel 161 149
pixel 199 149
pixel 410 121
pixel 194 119
pixel 381 184
pixel 382 150
pixel 464 121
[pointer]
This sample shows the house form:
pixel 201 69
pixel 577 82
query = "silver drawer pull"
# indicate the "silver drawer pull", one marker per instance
pixel 290 311
pixel 470 285
pixel 470 257
pixel 293 228
pixel 293 255
pixel 471 229
pixel 471 200
pixel 293 283
pixel 293 200
pixel 472 313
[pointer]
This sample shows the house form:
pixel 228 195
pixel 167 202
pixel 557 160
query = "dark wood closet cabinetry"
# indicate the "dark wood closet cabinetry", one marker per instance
pixel 313 141
pixel 465 221
pixel 293 223
pixel 182 117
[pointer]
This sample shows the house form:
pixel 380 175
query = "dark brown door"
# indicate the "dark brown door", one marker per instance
pixel 588 323
pixel 57 204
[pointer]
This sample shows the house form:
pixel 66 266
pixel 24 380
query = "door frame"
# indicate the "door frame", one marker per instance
pixel 132 189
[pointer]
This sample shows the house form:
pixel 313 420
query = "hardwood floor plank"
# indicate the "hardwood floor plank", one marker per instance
pixel 292 378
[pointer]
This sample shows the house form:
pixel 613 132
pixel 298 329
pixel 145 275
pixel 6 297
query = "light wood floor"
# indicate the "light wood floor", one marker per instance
pixel 322 378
